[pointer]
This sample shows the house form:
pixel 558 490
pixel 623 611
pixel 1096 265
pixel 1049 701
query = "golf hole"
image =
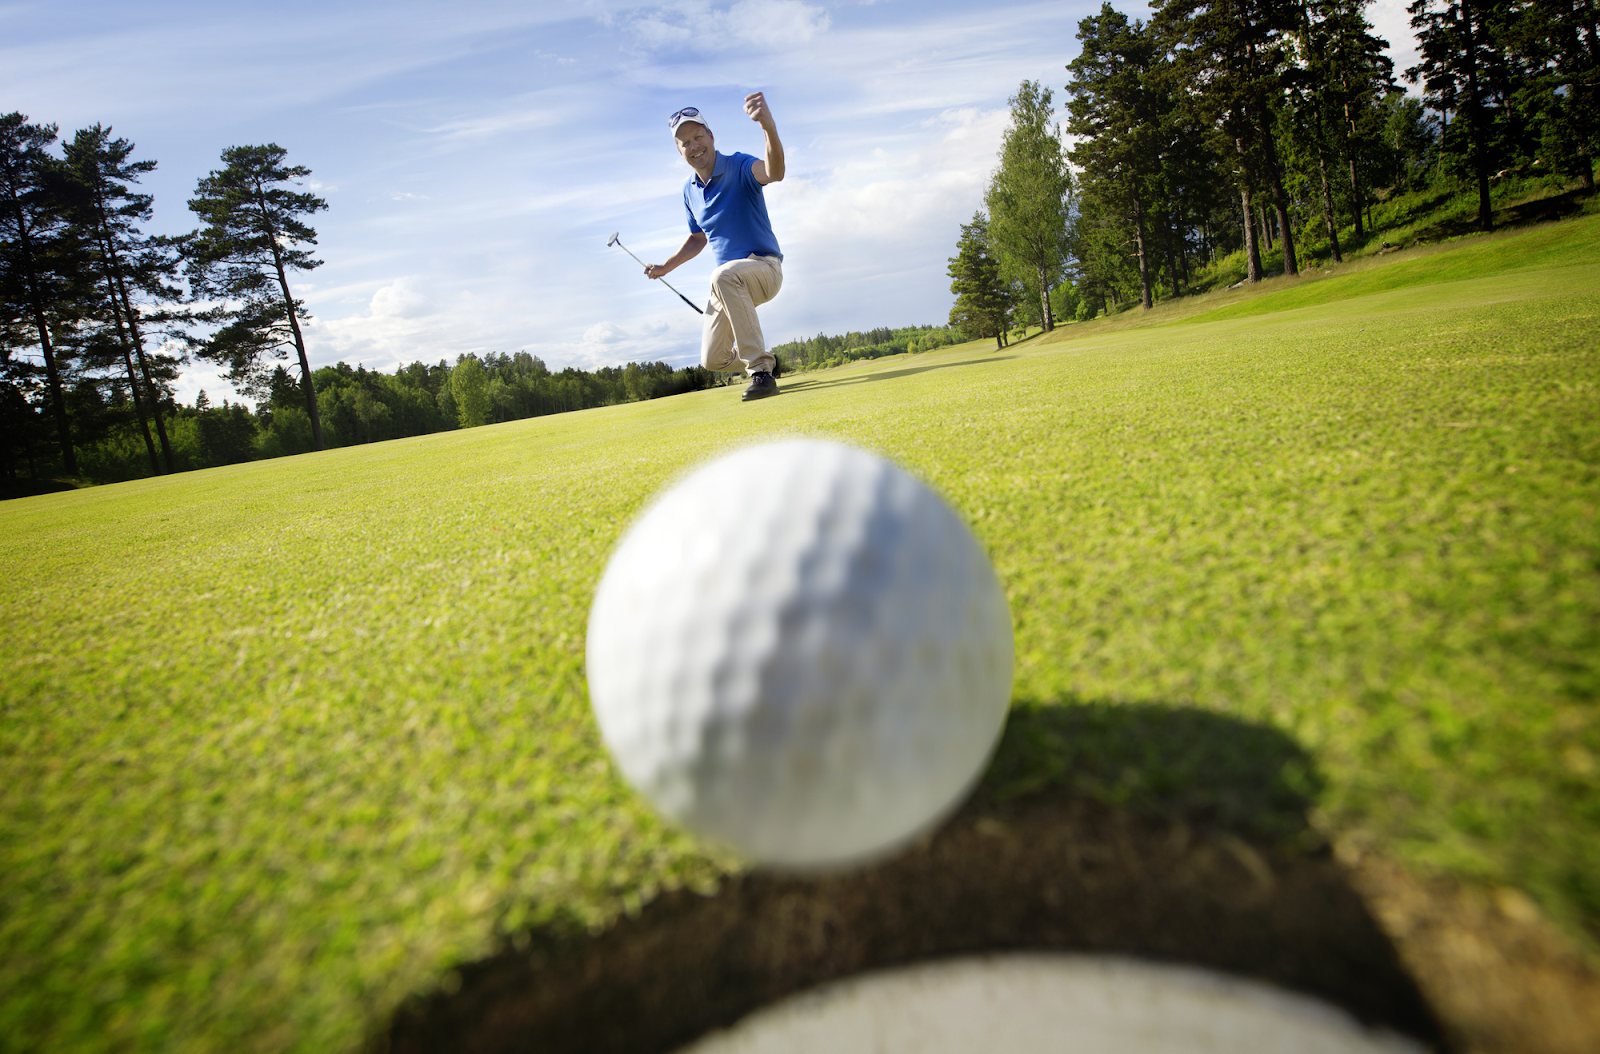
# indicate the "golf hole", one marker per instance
pixel 1060 1004
pixel 1053 894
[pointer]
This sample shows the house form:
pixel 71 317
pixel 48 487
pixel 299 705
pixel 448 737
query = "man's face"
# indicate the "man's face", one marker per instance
pixel 695 144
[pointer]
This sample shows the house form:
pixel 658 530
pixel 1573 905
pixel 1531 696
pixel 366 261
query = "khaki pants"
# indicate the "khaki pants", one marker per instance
pixel 732 337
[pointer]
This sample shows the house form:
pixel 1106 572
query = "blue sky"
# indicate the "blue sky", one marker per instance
pixel 475 156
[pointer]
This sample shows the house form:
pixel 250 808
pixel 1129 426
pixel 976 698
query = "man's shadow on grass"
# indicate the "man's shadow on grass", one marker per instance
pixel 1163 832
pixel 808 384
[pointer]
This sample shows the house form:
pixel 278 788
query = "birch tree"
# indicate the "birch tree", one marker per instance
pixel 1028 195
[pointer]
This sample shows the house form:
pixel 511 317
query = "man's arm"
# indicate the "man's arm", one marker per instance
pixel 687 251
pixel 768 169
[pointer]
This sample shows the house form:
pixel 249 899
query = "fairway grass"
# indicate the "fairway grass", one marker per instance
pixel 286 741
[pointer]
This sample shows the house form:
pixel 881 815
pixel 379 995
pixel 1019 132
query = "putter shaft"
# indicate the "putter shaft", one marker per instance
pixel 663 281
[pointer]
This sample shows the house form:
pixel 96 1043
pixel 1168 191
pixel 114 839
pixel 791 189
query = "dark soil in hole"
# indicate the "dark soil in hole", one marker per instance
pixel 1206 859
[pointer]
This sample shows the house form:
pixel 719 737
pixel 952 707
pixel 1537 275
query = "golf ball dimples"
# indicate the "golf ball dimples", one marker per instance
pixel 801 652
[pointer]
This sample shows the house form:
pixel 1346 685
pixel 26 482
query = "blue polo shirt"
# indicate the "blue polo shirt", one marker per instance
pixel 730 210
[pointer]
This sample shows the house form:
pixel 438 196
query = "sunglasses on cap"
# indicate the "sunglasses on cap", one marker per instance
pixel 687 113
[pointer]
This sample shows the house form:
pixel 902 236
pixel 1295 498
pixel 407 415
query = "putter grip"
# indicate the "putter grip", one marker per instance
pixel 691 303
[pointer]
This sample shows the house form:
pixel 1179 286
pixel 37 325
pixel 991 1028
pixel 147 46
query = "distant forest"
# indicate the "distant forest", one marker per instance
pixel 1249 137
pixel 357 405
pixel 823 351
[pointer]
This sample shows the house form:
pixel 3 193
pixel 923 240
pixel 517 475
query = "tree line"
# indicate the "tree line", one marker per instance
pixel 823 351
pixel 357 405
pixel 1266 129
pixel 97 318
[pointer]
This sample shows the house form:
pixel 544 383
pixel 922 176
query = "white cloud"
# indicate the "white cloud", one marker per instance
pixel 610 344
pixel 402 323
pixel 655 31
pixel 204 377
pixel 604 333
pixel 882 219
pixel 1391 21
pixel 765 25
pixel 775 23
pixel 402 298
pixel 538 112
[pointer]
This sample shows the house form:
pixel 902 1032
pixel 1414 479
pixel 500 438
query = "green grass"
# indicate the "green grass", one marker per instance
pixel 282 742
pixel 1540 249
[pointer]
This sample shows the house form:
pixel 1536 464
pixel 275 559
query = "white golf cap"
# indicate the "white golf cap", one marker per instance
pixel 685 115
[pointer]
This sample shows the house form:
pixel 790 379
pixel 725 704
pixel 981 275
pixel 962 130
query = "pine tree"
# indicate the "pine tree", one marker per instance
pixel 41 258
pixel 1559 41
pixel 1237 49
pixel 983 298
pixel 106 209
pixel 252 239
pixel 1356 77
pixel 1117 111
pixel 1457 46
pixel 1343 74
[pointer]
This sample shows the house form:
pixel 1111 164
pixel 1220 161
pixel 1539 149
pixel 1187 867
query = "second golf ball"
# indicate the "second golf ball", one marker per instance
pixel 801 652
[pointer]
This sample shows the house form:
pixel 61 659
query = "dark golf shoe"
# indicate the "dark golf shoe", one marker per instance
pixel 762 384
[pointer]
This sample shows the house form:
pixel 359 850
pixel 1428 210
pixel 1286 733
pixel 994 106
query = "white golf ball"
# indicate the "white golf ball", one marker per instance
pixel 802 653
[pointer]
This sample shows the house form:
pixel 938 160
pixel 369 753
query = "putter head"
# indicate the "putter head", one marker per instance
pixel 611 240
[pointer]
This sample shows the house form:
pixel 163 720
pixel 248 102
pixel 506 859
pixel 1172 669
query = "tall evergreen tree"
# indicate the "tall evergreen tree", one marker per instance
pixel 983 298
pixel 1559 42
pixel 1355 76
pixel 106 209
pixel 23 431
pixel 252 239
pixel 98 346
pixel 1187 170
pixel 1457 46
pixel 1118 110
pixel 41 257
pixel 1236 50
pixel 1028 197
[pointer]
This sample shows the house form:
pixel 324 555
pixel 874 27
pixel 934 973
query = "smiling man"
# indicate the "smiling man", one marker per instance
pixel 725 206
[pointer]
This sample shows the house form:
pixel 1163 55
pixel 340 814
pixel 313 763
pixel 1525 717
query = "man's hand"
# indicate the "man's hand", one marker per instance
pixel 755 104
pixel 768 169
pixel 687 251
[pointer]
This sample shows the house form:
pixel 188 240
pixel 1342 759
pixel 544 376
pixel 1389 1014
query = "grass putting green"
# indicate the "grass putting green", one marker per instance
pixel 286 741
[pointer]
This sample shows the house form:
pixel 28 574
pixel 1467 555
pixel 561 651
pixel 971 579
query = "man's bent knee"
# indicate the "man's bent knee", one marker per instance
pixel 721 360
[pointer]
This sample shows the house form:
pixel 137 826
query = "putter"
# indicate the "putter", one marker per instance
pixel 614 240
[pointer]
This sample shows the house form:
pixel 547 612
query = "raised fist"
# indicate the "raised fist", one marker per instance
pixel 755 104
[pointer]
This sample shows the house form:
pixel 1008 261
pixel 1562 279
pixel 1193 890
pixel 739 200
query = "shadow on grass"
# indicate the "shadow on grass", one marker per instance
pixel 1135 829
pixel 1540 210
pixel 27 488
pixel 1180 764
pixel 1543 210
pixel 820 382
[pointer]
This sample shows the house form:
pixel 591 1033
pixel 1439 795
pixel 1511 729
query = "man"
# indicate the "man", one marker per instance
pixel 725 206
